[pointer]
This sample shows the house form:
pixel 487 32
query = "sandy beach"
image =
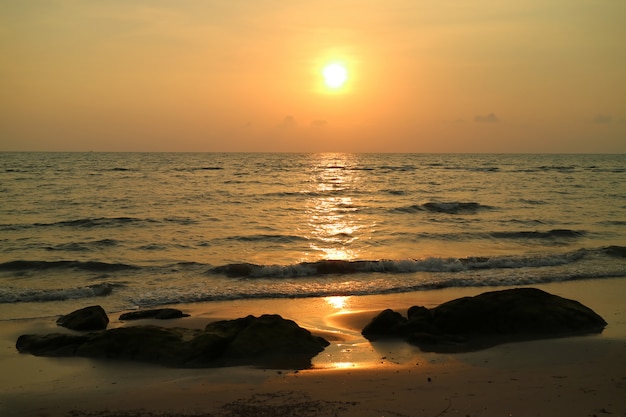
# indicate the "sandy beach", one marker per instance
pixel 577 376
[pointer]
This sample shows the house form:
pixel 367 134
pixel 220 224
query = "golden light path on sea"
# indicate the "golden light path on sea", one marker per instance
pixel 333 218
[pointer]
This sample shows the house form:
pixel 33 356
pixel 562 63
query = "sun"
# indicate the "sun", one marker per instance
pixel 335 75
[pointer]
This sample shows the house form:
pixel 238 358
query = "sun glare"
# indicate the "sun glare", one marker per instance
pixel 335 75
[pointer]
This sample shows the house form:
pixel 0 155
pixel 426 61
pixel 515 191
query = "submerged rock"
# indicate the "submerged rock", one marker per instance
pixel 267 341
pixel 159 313
pixel 85 319
pixel 473 323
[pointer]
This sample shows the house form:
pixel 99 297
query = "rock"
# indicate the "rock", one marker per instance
pixel 160 314
pixel 385 324
pixel 138 343
pixel 419 313
pixel 85 319
pixel 491 318
pixel 278 342
pixel 268 341
pixel 55 344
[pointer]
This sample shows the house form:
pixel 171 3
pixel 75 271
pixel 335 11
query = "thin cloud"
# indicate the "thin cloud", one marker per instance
pixel 289 122
pixel 489 118
pixel 319 123
pixel 603 119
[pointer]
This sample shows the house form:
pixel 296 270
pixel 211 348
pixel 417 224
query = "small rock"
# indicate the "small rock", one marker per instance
pixel 85 319
pixel 160 314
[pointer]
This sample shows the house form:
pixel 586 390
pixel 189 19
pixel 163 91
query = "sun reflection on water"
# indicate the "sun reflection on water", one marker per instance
pixel 338 302
pixel 332 214
pixel 344 365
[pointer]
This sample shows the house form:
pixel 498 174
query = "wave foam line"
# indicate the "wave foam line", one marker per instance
pixel 325 267
pixel 8 295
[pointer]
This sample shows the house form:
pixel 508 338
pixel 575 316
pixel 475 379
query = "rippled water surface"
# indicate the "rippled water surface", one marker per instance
pixel 156 228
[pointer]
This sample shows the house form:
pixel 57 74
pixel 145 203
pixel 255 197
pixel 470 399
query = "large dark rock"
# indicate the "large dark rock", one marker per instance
pixel 491 318
pixel 54 344
pixel 159 313
pixel 278 342
pixel 267 341
pixel 387 322
pixel 85 319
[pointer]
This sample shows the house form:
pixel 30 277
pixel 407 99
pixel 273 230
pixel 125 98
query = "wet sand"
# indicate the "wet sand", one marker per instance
pixel 577 376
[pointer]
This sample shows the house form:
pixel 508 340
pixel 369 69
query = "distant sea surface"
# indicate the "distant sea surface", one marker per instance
pixel 136 230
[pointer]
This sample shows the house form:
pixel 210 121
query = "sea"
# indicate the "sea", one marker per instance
pixel 143 230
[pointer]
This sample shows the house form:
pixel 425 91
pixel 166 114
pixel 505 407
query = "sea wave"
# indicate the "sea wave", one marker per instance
pixel 551 234
pixel 96 222
pixel 186 282
pixel 358 287
pixel 549 237
pixel 13 295
pixel 101 222
pixel 453 207
pixel 278 238
pixel 331 266
pixel 83 246
pixel 202 168
pixel 433 264
pixel 92 266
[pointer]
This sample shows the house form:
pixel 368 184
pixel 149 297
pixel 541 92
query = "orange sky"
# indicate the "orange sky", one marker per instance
pixel 424 76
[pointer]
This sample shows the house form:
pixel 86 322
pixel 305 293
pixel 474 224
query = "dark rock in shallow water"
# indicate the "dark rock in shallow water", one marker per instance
pixel 85 319
pixel 473 323
pixel 160 314
pixel 267 341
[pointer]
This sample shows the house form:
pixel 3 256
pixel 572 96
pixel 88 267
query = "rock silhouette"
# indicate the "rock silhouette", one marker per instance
pixel 266 341
pixel 159 314
pixel 88 318
pixel 488 319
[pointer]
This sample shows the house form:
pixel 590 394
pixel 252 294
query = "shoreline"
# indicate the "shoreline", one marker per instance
pixel 583 375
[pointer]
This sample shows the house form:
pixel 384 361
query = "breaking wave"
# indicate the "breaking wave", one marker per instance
pixel 326 267
pixel 11 295
pixel 445 207
pixel 91 266
pixel 551 234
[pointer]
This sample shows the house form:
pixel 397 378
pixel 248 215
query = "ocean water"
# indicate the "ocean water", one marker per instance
pixel 136 230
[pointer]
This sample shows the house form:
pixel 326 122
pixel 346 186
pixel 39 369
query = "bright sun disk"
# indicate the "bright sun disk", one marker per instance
pixel 335 75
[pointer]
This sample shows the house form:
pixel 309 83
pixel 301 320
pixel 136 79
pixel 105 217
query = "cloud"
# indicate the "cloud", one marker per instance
pixel 289 122
pixel 603 119
pixel 489 118
pixel 319 123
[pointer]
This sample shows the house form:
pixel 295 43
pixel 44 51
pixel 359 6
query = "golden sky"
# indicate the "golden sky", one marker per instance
pixel 205 75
